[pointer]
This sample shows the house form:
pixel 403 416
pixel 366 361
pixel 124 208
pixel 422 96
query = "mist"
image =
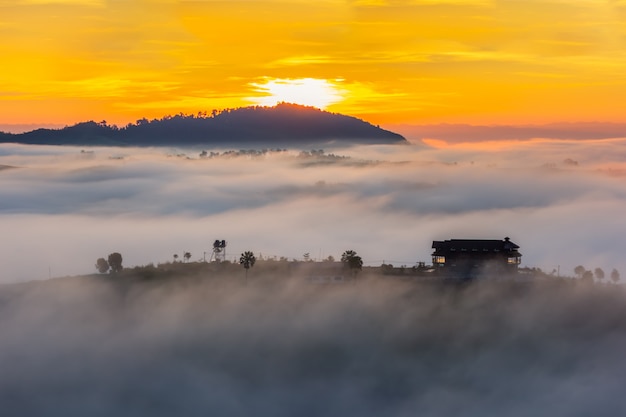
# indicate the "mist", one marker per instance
pixel 216 343
pixel 61 208
pixel 212 345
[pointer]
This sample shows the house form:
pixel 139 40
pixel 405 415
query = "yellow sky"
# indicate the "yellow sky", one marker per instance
pixel 394 61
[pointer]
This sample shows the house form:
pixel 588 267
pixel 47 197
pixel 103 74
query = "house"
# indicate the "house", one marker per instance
pixel 473 258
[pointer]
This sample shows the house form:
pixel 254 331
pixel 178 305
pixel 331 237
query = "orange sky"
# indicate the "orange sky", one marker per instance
pixel 394 61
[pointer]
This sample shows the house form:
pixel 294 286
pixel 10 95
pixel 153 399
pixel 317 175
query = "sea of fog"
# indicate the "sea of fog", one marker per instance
pixel 214 346
pixel 61 208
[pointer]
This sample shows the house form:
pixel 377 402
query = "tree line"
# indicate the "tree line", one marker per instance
pixel 283 124
pixel 350 260
pixel 588 275
pixel 113 264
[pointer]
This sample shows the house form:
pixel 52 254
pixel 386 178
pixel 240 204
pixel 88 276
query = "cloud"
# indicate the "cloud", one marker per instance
pixel 497 134
pixel 65 207
pixel 198 345
pixel 99 3
pixel 211 345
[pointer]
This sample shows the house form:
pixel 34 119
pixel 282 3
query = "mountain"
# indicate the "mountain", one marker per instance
pixel 282 125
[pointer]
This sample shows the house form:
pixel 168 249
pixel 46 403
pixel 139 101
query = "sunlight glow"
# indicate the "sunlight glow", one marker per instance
pixel 306 91
pixel 476 62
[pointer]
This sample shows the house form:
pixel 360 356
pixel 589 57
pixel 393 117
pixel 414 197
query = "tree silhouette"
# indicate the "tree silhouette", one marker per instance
pixel 187 255
pixel 102 265
pixel 352 261
pixel 579 270
pixel 615 275
pixel 115 262
pixel 587 277
pixel 247 260
pixel 281 124
pixel 175 257
pixel 599 273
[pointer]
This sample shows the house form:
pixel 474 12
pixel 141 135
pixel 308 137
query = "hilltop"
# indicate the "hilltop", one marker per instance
pixel 285 124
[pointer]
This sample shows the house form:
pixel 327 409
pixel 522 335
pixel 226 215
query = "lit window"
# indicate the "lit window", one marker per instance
pixel 439 260
pixel 514 261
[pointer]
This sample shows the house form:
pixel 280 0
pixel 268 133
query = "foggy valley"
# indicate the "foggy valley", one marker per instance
pixel 207 343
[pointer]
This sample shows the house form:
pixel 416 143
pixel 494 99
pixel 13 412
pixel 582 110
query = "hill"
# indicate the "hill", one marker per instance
pixel 285 124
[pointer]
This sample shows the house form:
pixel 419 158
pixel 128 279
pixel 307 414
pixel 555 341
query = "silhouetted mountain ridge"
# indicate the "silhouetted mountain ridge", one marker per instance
pixel 282 125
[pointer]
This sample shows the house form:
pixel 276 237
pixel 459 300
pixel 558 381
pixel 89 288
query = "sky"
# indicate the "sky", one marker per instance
pixel 62 208
pixel 488 62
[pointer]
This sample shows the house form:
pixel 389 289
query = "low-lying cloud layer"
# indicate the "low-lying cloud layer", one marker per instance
pixel 214 346
pixel 61 208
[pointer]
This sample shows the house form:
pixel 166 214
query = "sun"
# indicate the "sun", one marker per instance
pixel 314 92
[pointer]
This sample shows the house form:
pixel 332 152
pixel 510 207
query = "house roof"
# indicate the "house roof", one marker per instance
pixel 474 245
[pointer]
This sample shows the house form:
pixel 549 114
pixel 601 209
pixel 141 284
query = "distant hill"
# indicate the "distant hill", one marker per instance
pixel 282 125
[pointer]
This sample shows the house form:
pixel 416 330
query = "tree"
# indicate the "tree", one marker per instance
pixel 587 277
pixel 352 261
pixel 102 265
pixel 599 273
pixel 247 260
pixel 115 262
pixel 579 270
pixel 187 256
pixel 615 275
pixel 175 257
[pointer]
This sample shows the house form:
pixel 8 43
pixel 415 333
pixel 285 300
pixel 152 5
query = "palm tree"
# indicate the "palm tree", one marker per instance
pixel 352 261
pixel 614 276
pixel 175 257
pixel 187 255
pixel 247 260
